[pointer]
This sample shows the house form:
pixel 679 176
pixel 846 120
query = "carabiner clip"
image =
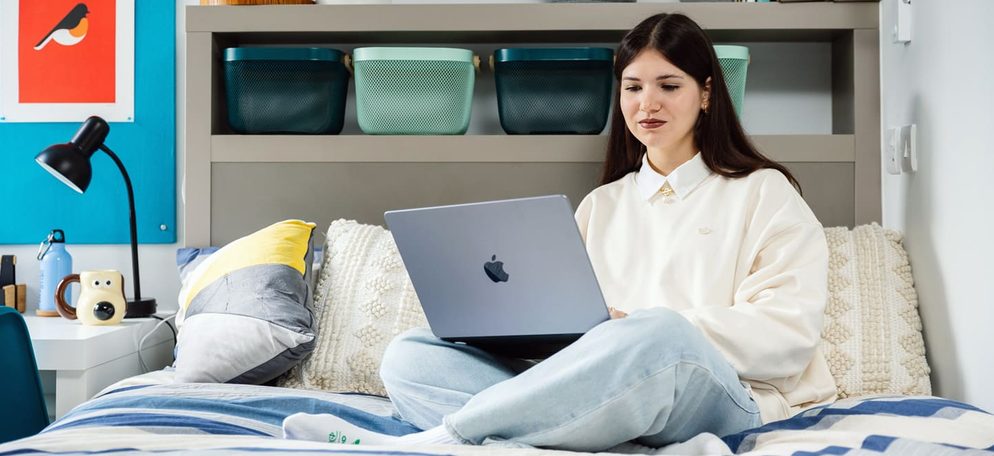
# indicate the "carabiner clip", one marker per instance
pixel 44 246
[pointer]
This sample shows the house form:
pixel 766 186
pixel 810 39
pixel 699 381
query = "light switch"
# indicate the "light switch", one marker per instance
pixel 901 149
pixel 902 31
pixel 909 143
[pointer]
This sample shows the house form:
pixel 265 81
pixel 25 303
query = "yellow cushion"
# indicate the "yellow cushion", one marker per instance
pixel 283 242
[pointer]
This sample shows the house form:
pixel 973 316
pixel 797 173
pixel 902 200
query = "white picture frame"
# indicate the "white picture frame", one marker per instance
pixel 121 110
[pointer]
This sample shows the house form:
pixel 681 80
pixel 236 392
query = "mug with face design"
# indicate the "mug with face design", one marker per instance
pixel 101 298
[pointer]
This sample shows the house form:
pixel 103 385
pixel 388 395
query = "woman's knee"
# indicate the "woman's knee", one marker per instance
pixel 403 352
pixel 659 320
pixel 659 329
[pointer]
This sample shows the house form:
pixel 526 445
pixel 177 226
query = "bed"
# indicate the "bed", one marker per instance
pixel 872 340
pixel 149 413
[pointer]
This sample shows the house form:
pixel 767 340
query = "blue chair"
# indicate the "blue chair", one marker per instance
pixel 22 403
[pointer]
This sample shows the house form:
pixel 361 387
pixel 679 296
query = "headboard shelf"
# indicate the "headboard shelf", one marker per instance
pixel 524 17
pixel 484 148
pixel 235 183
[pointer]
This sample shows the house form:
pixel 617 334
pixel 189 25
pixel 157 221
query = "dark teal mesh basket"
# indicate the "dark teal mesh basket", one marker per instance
pixel 553 91
pixel 285 90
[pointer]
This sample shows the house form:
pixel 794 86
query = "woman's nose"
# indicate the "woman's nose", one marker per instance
pixel 649 106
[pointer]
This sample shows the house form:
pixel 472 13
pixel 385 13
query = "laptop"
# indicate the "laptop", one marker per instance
pixel 511 277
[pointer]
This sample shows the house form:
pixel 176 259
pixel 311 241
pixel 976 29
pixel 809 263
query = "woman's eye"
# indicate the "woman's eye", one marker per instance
pixel 670 87
pixel 633 88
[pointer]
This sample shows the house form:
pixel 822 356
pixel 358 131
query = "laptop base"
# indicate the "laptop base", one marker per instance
pixel 525 347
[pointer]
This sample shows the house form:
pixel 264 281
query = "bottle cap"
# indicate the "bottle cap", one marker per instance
pixel 55 236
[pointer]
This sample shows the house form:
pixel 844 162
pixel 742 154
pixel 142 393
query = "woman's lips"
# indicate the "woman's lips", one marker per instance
pixel 650 124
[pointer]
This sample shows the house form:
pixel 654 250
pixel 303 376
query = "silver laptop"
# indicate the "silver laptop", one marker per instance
pixel 512 276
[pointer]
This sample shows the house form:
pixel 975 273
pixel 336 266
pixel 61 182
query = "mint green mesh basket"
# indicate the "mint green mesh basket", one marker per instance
pixel 413 91
pixel 734 61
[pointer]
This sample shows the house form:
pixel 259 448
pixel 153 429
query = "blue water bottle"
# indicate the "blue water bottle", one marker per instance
pixel 56 263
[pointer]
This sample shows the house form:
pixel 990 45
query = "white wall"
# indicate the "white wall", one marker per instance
pixel 942 81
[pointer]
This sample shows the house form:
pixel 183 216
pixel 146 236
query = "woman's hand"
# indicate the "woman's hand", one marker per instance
pixel 615 313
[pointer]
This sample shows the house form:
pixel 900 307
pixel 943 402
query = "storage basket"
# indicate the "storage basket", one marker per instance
pixel 413 91
pixel 553 91
pixel 734 61
pixel 285 90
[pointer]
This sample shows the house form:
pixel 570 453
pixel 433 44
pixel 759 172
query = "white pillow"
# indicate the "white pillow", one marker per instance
pixel 872 337
pixel 363 299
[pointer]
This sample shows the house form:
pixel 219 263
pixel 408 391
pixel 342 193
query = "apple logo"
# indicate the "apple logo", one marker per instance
pixel 495 270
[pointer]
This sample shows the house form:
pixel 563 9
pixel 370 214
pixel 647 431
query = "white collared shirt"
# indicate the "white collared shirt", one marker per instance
pixel 683 180
pixel 744 259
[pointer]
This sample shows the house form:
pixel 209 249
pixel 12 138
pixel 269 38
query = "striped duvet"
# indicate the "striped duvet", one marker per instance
pixel 151 414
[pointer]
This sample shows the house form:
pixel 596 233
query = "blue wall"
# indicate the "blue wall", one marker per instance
pixel 34 202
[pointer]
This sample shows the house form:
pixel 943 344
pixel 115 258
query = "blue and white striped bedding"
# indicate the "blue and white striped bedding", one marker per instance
pixel 153 415
pixel 160 416
pixel 203 408
pixel 894 425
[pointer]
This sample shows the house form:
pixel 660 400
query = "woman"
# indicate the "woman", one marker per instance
pixel 714 266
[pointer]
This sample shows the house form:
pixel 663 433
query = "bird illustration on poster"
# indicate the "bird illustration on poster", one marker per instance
pixel 70 30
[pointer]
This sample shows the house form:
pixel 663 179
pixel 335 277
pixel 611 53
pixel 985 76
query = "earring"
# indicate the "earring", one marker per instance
pixel 704 107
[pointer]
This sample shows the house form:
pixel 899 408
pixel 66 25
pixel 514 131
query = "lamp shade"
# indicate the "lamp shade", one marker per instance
pixel 68 163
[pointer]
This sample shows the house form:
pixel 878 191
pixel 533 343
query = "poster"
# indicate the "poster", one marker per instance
pixel 66 60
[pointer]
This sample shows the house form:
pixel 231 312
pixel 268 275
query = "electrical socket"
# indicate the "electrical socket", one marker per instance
pixel 893 154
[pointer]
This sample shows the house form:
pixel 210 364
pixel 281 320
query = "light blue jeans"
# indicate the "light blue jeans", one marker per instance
pixel 651 377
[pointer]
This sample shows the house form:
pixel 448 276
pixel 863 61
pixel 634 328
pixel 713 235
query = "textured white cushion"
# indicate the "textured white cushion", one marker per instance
pixel 363 299
pixel 872 336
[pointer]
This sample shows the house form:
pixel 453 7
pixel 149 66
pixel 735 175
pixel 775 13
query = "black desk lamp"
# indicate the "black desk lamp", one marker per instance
pixel 70 162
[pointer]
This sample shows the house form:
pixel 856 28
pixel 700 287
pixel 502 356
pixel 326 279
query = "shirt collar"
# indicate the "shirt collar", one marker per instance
pixel 683 180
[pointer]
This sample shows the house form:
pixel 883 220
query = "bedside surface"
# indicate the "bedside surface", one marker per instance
pixel 61 344
pixel 75 361
pixel 58 328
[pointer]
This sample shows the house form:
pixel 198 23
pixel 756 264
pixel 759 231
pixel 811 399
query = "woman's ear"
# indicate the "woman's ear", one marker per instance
pixel 706 95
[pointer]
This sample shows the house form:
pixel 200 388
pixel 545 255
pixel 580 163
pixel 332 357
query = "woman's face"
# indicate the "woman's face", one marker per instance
pixel 660 102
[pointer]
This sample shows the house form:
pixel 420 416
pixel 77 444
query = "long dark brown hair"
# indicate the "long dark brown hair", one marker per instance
pixel 724 146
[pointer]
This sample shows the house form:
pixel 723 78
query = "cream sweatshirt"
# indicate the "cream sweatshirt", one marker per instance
pixel 745 260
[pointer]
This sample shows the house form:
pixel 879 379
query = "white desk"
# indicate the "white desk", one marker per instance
pixel 78 361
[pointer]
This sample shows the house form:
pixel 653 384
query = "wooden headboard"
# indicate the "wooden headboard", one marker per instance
pixel 235 184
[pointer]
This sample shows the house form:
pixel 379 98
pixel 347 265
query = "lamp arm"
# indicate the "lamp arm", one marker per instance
pixel 134 230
